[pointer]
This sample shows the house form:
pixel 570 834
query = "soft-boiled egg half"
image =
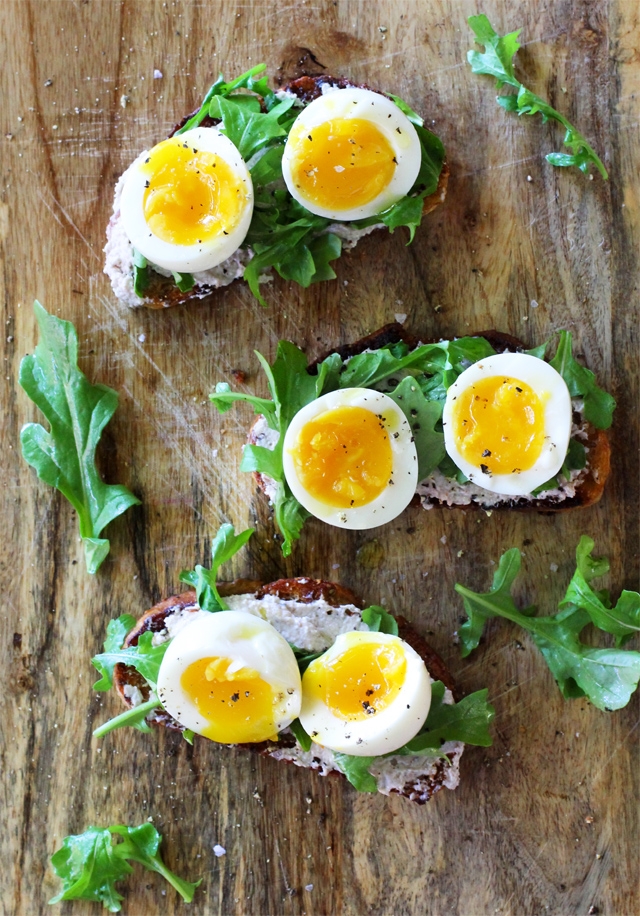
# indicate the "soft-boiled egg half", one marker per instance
pixel 187 203
pixel 351 154
pixel 230 677
pixel 507 423
pixel 350 460
pixel 367 695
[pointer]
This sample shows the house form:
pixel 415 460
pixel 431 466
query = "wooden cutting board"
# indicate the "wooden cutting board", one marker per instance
pixel 545 821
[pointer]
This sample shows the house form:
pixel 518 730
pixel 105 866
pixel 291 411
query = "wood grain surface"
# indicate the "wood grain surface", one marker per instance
pixel 545 821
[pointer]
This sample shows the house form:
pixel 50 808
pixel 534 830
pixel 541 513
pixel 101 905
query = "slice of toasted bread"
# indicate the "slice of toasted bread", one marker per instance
pixel 416 778
pixel 588 490
pixel 162 291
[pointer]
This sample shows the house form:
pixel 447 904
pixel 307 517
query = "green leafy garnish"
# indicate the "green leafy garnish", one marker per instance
pixel 356 769
pixel 184 282
pixel 284 236
pixel 379 620
pixel 497 60
pixel 467 721
pixel 89 864
pixel 301 736
pixel 606 676
pixel 141 278
pixel 77 411
pixel 581 382
pixel 225 545
pixel 144 657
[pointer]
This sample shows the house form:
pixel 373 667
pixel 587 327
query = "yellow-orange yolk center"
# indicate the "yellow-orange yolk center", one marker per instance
pixel 342 164
pixel 191 195
pixel 499 425
pixel 343 457
pixel 239 705
pixel 361 681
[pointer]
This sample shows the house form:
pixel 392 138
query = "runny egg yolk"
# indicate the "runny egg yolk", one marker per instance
pixel 361 681
pixel 238 704
pixel 499 425
pixel 343 457
pixel 191 195
pixel 342 163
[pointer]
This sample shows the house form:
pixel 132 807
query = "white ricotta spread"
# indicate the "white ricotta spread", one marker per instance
pixel 313 627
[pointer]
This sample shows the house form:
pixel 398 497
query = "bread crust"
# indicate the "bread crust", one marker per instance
pixel 588 491
pixel 304 590
pixel 162 291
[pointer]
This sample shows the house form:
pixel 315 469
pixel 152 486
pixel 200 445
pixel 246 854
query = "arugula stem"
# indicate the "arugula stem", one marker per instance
pixel 126 717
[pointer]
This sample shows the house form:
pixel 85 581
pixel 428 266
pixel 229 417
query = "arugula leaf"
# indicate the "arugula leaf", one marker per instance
pixel 90 863
pixel 221 88
pixel 144 657
pixel 141 278
pixel 607 677
pixel 581 382
pixel 422 415
pixel 497 61
pixel 301 736
pixel 496 602
pixel 225 545
pixel 623 620
pixel 290 517
pixel 304 657
pixel 379 620
pixel 184 282
pixel 249 130
pixel 466 721
pixel 356 769
pixel 77 411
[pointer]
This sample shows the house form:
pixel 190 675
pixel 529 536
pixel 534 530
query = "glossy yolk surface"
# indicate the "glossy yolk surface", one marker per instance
pixel 343 457
pixel 499 424
pixel 239 705
pixel 343 163
pixel 363 680
pixel 192 196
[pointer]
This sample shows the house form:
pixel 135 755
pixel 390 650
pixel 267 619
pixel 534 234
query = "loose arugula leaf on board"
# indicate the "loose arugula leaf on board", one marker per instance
pixel 89 864
pixel 497 60
pixel 621 620
pixel 77 411
pixel 497 602
pixel 225 545
pixel 607 677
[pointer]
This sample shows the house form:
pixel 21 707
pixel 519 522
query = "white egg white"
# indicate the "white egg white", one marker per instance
pixel 390 120
pixel 551 387
pixel 244 639
pixel 380 733
pixel 395 497
pixel 186 258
